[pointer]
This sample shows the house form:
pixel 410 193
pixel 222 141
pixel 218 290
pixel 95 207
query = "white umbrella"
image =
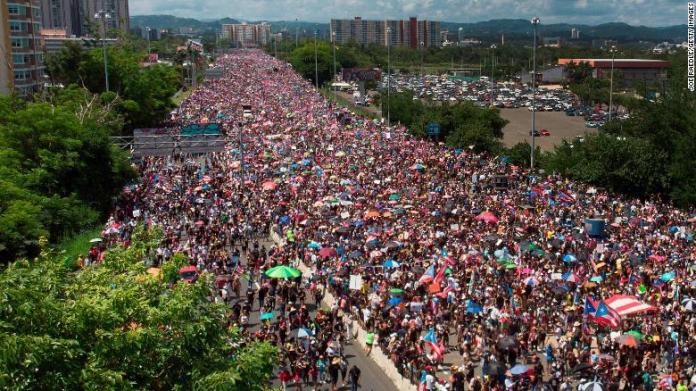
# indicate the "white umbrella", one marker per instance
pixel 592 386
pixel 95 240
pixel 689 304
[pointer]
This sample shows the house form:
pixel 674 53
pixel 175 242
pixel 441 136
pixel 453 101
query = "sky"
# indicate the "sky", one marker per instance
pixel 634 12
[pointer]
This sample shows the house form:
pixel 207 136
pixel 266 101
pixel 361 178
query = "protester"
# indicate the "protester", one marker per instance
pixel 420 243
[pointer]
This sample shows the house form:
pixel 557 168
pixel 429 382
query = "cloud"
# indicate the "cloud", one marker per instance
pixel 638 12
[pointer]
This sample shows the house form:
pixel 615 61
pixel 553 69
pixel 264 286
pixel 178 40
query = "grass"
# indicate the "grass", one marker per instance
pixel 180 96
pixel 72 247
pixel 341 101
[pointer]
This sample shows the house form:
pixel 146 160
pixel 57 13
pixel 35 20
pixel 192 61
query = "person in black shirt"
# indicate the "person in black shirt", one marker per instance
pixel 354 374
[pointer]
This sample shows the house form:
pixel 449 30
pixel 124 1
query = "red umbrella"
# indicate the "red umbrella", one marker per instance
pixel 326 252
pixel 487 217
pixel 269 185
pixel 199 223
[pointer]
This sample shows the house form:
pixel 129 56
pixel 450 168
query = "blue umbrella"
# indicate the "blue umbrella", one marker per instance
pixel 304 333
pixel 596 279
pixel 519 369
pixel 667 277
pixel 355 254
pixel 472 307
pixel 314 245
pixel 284 219
pixel 568 258
pixel 394 301
pixel 390 263
pixel 266 315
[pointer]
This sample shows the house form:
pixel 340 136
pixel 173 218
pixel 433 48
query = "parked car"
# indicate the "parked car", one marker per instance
pixel 188 274
pixel 544 132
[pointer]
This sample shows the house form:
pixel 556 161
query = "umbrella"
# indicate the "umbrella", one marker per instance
pixel 283 271
pixel 266 316
pixel 592 386
pixel 628 340
pixel 596 279
pixel 394 301
pixel 304 332
pixel 581 367
pixel 507 342
pixel 269 185
pixel 396 291
pixel 531 281
pixel 314 245
pixel 689 304
pixel 394 197
pixel 568 258
pixel 392 245
pixel 519 369
pixel 390 263
pixel 635 334
pixel 327 252
pixel 472 307
pixel 487 217
pixel 417 166
pixel 355 254
pixel 96 240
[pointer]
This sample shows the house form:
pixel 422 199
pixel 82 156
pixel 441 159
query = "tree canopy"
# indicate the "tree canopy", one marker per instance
pixel 116 326
pixel 59 171
pixel 145 92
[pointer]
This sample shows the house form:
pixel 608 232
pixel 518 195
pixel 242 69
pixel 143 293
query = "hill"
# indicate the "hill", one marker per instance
pixel 488 29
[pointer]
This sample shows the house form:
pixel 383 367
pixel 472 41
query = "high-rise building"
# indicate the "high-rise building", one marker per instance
pixel 58 14
pixel 6 72
pixel 574 33
pixel 245 35
pixel 86 24
pixel 411 33
pixel 24 20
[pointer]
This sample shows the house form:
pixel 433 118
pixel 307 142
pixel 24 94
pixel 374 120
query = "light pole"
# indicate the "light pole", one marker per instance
pixel 611 81
pixel 535 23
pixel 492 57
pixel 316 62
pixel 148 40
pixel 103 15
pixel 333 40
pixel 388 76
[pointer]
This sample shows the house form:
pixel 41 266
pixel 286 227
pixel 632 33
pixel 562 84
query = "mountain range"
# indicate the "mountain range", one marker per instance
pixel 491 29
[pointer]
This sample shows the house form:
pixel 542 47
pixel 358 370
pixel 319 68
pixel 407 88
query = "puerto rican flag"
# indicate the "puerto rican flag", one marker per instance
pixel 606 316
pixel 627 305
pixel 429 275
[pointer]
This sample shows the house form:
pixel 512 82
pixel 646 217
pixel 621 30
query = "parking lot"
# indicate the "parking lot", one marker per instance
pixel 557 123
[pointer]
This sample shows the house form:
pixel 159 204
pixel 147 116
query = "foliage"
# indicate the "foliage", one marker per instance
pixel 58 171
pixel 461 124
pixel 115 326
pixel 306 61
pixel 145 92
pixel 520 155
pixel 578 73
pixel 628 165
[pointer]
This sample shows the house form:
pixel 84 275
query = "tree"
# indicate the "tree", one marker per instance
pixel 303 60
pixel 59 171
pixel 115 326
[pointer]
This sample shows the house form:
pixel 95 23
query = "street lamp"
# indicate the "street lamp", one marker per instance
pixel 611 81
pixel 492 58
pixel 103 15
pixel 535 23
pixel 316 62
pixel 148 39
pixel 461 30
pixel 388 75
pixel 333 40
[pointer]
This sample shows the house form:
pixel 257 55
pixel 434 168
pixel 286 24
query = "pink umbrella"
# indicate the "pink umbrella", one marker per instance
pixel 269 185
pixel 487 217
pixel 327 252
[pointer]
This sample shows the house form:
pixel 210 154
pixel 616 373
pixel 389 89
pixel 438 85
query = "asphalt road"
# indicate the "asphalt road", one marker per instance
pixel 372 378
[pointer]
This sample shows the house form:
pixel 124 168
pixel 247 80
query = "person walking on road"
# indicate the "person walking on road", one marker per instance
pixel 354 374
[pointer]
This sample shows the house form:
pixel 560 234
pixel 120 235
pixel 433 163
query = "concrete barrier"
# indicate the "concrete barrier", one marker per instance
pixel 377 356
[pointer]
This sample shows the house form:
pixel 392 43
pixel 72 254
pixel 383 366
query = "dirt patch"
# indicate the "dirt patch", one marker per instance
pixel 557 123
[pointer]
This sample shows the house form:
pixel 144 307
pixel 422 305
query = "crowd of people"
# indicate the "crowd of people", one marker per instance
pixel 466 271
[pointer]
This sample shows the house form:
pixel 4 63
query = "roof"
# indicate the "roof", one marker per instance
pixel 618 63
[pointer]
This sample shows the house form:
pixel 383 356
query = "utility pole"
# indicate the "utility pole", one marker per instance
pixel 297 33
pixel 103 15
pixel 611 82
pixel 316 62
pixel 388 76
pixel 333 40
pixel 535 23
pixel 148 40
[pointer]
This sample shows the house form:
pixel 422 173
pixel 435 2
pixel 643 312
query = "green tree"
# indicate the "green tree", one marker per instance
pixel 303 60
pixel 115 326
